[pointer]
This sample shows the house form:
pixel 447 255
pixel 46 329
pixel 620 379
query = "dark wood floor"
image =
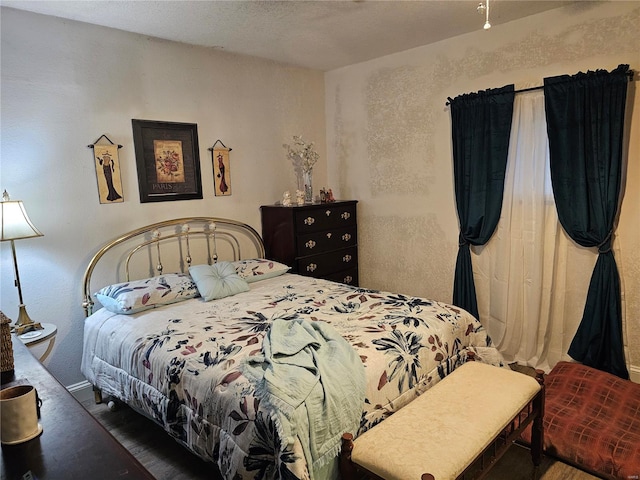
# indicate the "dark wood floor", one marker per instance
pixel 167 460
pixel 151 445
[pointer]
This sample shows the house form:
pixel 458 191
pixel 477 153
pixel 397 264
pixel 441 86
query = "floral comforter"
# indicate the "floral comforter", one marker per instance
pixel 181 364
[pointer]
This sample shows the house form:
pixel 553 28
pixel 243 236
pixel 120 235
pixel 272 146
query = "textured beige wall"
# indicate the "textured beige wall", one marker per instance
pixel 389 146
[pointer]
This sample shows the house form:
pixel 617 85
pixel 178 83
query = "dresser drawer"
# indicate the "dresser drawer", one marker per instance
pixel 325 218
pixel 328 263
pixel 320 242
pixel 349 277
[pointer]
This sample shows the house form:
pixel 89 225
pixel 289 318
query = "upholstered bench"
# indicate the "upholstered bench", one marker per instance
pixel 592 421
pixel 456 429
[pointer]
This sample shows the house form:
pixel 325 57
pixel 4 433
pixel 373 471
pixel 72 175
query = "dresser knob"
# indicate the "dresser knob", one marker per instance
pixel 346 258
pixel 328 234
pixel 348 279
pixel 328 212
pixel 310 244
pixel 346 237
pixel 345 216
pixel 309 221
pixel 311 267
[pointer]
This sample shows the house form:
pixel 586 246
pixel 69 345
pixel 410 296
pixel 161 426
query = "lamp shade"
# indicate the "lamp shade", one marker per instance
pixel 14 221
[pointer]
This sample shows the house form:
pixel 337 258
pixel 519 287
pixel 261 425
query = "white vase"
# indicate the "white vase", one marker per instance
pixel 307 179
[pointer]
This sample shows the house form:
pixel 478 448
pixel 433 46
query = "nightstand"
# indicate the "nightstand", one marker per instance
pixel 35 337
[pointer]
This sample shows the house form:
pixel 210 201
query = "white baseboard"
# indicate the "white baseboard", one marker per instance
pixel 634 374
pixel 82 391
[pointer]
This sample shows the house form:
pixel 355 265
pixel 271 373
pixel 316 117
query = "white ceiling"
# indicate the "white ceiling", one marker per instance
pixel 323 35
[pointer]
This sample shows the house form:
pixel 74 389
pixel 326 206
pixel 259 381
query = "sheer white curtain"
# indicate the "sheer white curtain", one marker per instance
pixel 531 278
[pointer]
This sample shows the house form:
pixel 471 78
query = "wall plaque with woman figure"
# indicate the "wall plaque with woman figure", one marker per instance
pixel 221 171
pixel 108 173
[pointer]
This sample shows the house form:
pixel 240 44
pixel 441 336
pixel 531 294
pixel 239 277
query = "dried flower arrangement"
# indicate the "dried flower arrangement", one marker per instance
pixel 302 154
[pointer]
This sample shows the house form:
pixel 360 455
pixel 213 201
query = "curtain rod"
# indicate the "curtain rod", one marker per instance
pixel 628 74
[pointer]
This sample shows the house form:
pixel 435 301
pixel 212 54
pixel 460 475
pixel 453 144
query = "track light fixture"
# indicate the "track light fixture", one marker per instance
pixel 483 7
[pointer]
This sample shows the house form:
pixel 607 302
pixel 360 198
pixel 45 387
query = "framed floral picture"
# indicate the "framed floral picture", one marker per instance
pixel 168 160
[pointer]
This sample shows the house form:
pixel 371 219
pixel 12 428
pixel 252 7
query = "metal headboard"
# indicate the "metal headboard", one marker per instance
pixel 212 228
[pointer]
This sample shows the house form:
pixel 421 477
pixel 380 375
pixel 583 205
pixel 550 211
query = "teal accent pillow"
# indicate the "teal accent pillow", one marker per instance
pixel 256 269
pixel 138 295
pixel 218 280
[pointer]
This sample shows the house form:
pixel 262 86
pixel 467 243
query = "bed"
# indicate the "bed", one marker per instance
pixel 264 380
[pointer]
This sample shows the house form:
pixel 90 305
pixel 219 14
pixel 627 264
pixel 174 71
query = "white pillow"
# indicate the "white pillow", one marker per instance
pixel 256 269
pixel 138 295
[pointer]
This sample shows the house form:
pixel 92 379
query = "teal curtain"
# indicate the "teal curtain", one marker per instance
pixel 480 128
pixel 585 125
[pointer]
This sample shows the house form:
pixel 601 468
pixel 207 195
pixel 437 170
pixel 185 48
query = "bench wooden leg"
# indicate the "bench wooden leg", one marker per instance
pixel 347 469
pixel 537 429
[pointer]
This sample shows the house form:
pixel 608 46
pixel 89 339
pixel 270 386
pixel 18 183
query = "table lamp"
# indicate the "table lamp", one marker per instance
pixel 15 225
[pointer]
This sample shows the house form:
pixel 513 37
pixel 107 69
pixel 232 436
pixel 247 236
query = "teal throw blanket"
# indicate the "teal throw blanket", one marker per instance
pixel 314 383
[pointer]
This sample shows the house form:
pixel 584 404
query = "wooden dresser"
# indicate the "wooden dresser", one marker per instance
pixel 318 240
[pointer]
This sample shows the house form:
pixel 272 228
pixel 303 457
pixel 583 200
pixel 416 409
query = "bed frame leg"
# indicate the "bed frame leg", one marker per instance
pixel 97 395
pixel 537 429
